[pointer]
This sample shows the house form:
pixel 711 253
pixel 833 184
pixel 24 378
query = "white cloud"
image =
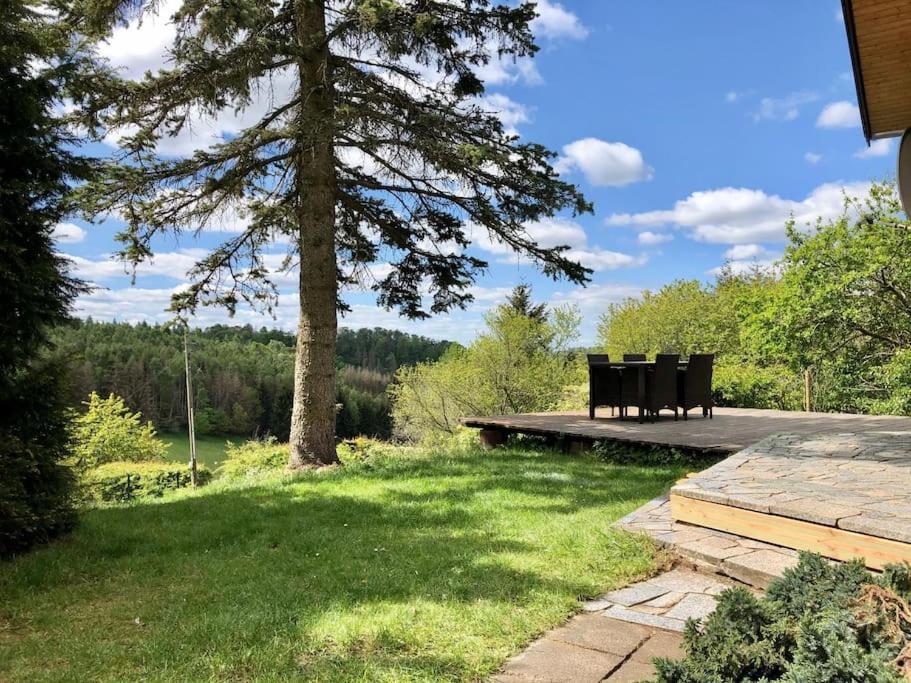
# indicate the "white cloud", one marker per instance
pixel 877 148
pixel 174 264
pixel 785 108
pixel 554 232
pixel 130 304
pixel 592 301
pixel 554 22
pixel 746 266
pixel 812 158
pixel 842 114
pixel 650 239
pixel 740 216
pixel 507 70
pixel 605 164
pixel 510 112
pixel 136 304
pixel 68 233
pixel 142 45
pixel 599 259
pixel 742 252
pixel 731 96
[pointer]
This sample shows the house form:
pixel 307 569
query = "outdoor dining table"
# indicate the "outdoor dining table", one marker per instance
pixel 639 367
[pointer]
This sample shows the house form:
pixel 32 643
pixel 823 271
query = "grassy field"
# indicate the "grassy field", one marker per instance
pixel 413 567
pixel 210 450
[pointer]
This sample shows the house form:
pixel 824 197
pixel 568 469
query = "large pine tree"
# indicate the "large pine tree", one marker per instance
pixel 35 172
pixel 376 146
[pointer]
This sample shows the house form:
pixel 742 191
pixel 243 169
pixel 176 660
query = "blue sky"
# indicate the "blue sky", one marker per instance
pixel 696 129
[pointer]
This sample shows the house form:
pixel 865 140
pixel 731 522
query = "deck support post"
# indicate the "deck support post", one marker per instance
pixel 491 438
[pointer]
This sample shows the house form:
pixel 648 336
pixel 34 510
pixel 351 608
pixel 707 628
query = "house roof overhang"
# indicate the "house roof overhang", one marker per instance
pixel 879 37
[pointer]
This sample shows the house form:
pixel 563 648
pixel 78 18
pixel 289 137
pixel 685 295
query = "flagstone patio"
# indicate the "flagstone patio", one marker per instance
pixel 843 495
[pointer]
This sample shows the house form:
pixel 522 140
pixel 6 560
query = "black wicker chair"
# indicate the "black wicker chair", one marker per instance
pixel 629 383
pixel 695 387
pixel 603 384
pixel 661 385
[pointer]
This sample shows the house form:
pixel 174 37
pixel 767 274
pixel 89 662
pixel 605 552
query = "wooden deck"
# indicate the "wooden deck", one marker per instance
pixel 731 430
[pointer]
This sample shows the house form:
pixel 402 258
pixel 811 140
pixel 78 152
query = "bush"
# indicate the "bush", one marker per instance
pixel 36 490
pixel 254 457
pixel 109 432
pixel 519 364
pixel 743 385
pixel 573 397
pixel 895 379
pixel 123 482
pixel 820 622
pixel 363 449
pixel 625 453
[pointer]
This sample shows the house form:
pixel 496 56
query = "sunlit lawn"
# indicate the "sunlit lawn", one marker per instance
pixel 210 449
pixel 418 567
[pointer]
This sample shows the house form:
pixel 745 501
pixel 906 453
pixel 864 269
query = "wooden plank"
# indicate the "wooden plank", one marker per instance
pixel 837 544
pixel 883 34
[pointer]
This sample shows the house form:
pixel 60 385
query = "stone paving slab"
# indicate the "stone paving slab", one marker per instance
pixel 617 635
pixel 854 481
pixel 665 601
pixel 552 661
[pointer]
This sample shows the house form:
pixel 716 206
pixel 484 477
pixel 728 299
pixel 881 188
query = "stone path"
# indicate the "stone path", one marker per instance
pixel 616 636
pixel 857 482
pixel 751 562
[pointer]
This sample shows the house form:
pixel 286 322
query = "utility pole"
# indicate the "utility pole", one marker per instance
pixel 807 390
pixel 191 427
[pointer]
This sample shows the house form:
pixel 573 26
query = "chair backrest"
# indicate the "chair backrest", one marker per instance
pixel 598 358
pixel 633 356
pixel 664 384
pixel 698 385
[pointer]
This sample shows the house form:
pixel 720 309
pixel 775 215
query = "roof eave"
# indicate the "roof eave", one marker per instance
pixel 847 8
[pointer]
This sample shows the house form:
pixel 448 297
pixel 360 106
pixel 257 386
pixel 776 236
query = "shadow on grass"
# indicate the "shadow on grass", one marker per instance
pixel 402 569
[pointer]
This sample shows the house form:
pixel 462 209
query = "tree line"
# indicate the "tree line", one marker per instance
pixel 243 377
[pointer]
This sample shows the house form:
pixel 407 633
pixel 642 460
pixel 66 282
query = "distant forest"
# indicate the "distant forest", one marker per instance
pixel 242 377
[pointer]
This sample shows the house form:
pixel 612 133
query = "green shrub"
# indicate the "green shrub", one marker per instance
pixel 36 490
pixel 126 481
pixel 519 364
pixel 254 457
pixel 362 449
pixel 895 379
pixel 820 622
pixel 573 397
pixel 108 432
pixel 625 453
pixel 743 385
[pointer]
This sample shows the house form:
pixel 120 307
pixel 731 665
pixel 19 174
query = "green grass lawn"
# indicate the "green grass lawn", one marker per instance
pixel 418 567
pixel 210 450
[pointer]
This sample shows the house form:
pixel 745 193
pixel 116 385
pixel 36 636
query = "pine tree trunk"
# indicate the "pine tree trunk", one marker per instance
pixel 313 415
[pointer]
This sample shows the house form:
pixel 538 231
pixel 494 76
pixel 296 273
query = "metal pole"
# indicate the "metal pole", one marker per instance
pixel 191 427
pixel 807 390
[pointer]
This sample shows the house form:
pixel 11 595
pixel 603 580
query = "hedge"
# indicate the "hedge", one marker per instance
pixel 821 622
pixel 126 481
